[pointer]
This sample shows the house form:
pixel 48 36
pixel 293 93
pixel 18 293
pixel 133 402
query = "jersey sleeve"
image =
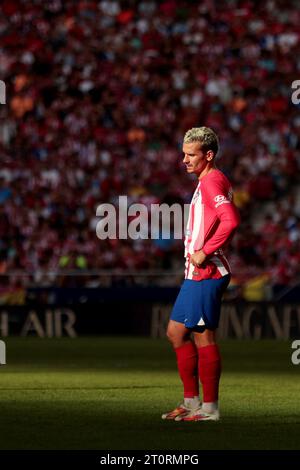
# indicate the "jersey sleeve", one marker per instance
pixel 217 195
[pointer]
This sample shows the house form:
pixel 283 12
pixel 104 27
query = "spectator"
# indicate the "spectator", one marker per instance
pixel 101 94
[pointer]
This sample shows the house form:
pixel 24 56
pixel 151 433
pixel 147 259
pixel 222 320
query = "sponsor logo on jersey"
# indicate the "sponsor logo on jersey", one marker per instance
pixel 221 199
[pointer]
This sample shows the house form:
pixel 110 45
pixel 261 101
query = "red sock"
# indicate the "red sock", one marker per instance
pixel 187 362
pixel 209 361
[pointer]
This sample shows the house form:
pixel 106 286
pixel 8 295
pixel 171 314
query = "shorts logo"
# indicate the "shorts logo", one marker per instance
pixel 220 199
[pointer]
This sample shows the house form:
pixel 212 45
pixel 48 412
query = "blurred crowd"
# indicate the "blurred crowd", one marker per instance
pixel 99 96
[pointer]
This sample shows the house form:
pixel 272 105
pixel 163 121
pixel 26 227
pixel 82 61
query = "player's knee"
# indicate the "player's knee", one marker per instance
pixel 175 336
pixel 170 334
pixel 206 338
pixel 203 342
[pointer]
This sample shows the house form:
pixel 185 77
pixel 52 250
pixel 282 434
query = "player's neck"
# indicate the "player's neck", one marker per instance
pixel 207 170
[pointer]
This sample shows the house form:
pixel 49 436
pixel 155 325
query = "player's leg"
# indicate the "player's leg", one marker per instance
pixel 210 292
pixel 179 334
pixel 187 363
pixel 187 360
pixel 209 367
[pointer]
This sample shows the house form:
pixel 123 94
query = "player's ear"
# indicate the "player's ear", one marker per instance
pixel 209 155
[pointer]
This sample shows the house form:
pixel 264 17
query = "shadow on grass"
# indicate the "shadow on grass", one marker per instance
pixel 107 426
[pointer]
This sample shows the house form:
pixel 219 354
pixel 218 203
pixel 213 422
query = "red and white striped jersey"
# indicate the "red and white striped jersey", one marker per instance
pixel 212 220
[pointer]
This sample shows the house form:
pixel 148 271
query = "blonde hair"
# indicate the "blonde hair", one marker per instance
pixel 206 136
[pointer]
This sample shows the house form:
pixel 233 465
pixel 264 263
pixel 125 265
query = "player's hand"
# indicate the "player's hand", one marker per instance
pixel 198 258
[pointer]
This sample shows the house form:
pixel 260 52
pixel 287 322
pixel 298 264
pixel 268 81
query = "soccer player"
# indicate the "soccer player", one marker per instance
pixel 212 221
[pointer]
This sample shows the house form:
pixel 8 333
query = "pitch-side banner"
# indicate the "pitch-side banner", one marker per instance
pixel 238 320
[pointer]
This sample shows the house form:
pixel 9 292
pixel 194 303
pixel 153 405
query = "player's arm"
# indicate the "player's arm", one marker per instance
pixel 215 195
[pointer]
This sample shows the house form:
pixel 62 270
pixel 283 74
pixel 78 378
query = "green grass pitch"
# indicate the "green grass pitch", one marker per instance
pixel 109 393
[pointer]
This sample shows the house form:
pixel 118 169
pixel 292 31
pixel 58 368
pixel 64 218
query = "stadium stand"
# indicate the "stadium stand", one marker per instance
pixel 99 96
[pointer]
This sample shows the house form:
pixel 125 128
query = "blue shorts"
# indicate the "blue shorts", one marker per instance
pixel 198 304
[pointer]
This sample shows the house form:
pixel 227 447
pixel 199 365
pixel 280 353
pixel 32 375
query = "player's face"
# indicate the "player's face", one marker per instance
pixel 194 158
